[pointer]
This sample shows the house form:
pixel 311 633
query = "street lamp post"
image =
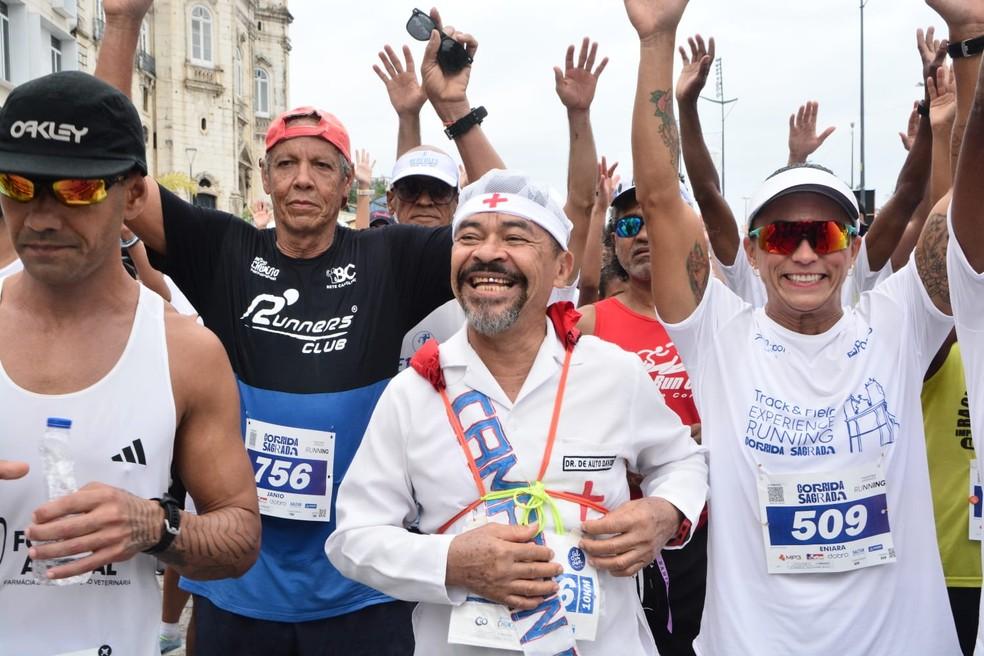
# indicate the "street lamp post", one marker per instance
pixel 190 151
pixel 852 154
pixel 720 100
pixel 861 135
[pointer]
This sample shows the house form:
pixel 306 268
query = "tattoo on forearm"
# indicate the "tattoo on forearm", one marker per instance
pixel 143 523
pixel 668 131
pixel 213 545
pixel 698 271
pixel 931 260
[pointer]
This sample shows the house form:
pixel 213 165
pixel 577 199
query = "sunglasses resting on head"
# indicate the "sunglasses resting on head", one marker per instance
pixel 784 237
pixel 74 192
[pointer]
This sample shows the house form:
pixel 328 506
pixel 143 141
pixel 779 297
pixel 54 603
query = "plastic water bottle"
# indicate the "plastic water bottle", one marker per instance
pixel 59 473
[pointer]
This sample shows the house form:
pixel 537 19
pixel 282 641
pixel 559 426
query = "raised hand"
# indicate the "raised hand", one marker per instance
pixel 803 137
pixel 652 17
pixel 959 12
pixel 405 93
pixel 447 93
pixel 909 136
pixel 576 83
pixel 932 51
pixel 696 66
pixel 942 98
pixel 133 10
pixel 607 183
pixel 261 213
pixel 363 169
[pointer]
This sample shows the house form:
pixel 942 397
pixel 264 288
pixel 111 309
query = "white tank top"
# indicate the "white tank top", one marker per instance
pixel 122 435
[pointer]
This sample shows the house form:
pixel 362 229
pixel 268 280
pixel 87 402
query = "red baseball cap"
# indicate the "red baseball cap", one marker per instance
pixel 328 128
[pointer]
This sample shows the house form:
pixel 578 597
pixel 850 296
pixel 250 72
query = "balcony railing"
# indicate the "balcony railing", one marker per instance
pixel 146 63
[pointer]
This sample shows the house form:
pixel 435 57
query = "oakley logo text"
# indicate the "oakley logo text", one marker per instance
pixel 48 130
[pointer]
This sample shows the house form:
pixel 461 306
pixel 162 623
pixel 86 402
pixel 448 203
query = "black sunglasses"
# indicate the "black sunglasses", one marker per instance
pixel 409 189
pixel 451 56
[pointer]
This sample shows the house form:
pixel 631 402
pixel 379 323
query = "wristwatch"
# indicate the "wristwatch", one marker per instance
pixel 967 48
pixel 172 523
pixel 466 122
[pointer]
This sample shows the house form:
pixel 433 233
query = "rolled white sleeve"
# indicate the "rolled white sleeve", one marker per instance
pixel 375 506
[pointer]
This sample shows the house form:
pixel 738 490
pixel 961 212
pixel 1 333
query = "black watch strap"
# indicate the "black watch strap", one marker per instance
pixel 172 523
pixel 923 108
pixel 466 122
pixel 967 48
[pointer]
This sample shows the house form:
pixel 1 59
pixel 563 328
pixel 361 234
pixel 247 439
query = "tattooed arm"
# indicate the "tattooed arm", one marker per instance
pixel 678 251
pixel 115 525
pixel 931 256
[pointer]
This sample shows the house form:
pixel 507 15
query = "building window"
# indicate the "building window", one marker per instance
pixel 204 125
pixel 237 72
pixel 4 42
pixel 201 35
pixel 144 43
pixel 204 200
pixel 145 94
pixel 262 91
pixel 56 55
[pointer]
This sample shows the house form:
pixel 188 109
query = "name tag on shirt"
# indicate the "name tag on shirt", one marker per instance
pixel 293 469
pixel 976 500
pixel 825 522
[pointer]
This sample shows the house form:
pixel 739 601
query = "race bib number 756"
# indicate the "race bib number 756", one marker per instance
pixel 293 470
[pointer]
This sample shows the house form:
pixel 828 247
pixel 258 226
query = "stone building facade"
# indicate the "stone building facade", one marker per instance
pixel 209 76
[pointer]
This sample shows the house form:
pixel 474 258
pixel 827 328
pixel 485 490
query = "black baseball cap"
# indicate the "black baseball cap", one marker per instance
pixel 70 124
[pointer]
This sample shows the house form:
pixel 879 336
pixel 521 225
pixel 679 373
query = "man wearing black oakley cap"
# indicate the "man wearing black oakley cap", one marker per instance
pixel 140 386
pixel 822 535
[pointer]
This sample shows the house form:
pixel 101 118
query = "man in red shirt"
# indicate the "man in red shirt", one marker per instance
pixel 629 320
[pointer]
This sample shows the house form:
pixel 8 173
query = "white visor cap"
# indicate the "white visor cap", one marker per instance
pixel 807 179
pixel 516 194
pixel 431 163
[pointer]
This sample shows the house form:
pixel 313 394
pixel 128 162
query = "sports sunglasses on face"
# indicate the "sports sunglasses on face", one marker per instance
pixel 409 189
pixel 74 192
pixel 629 226
pixel 784 237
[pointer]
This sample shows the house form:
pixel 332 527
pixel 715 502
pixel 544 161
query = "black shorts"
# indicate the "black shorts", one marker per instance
pixel 378 630
pixel 686 570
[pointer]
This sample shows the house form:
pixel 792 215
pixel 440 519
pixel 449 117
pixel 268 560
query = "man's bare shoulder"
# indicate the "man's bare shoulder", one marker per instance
pixel 196 356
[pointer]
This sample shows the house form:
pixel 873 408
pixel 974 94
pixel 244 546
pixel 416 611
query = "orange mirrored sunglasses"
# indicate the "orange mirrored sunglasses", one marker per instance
pixel 74 192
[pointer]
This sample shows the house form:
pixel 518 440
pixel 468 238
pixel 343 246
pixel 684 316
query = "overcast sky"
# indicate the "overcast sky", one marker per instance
pixel 776 55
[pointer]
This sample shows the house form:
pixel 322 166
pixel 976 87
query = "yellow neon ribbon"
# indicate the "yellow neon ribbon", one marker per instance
pixel 538 499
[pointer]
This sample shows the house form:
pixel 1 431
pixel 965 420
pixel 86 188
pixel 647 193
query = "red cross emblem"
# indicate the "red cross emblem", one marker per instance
pixel 494 200
pixel 586 493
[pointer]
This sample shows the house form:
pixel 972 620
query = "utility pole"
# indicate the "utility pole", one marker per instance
pixel 861 168
pixel 720 100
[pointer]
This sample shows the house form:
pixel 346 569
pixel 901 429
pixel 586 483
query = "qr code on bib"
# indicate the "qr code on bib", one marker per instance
pixel 776 495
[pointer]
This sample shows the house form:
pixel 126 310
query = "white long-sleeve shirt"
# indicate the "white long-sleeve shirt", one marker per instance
pixel 410 469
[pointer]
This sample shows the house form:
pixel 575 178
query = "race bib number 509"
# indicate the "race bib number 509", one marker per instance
pixel 826 522
pixel 293 469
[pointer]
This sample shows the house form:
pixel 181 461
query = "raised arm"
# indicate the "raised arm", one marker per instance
pixel 363 179
pixel 590 283
pixel 576 86
pixel 678 252
pixel 115 66
pixel 803 137
pixel 405 95
pixel 968 193
pixel 448 95
pixel 718 219
pixel 889 226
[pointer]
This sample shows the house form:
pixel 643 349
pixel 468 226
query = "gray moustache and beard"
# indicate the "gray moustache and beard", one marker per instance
pixel 482 317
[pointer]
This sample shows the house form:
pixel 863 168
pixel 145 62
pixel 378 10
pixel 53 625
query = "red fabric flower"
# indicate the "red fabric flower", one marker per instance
pixel 427 362
pixel 564 318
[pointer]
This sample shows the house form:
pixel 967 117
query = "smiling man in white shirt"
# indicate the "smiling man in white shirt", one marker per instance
pixel 507 447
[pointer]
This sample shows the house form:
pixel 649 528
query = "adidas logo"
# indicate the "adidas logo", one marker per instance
pixel 133 453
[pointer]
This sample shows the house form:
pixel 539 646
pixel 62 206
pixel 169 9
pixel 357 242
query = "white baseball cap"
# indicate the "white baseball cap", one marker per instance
pixel 516 194
pixel 431 163
pixel 809 179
